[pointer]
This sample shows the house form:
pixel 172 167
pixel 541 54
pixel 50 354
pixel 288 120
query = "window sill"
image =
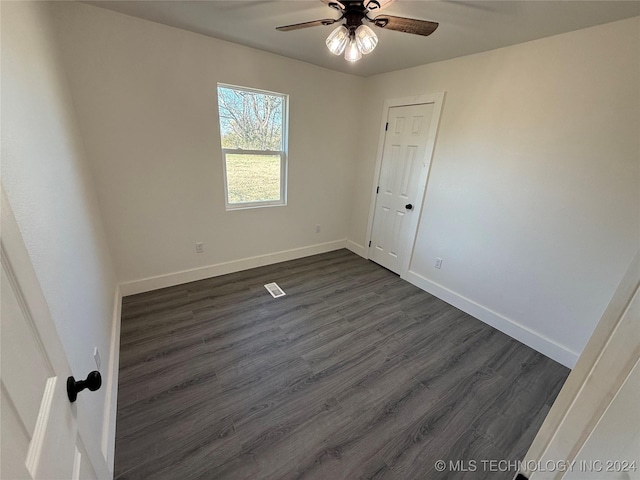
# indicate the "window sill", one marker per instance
pixel 253 206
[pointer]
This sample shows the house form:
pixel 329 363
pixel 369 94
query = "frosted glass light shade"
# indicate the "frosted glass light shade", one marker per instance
pixel 352 53
pixel 337 40
pixel 366 39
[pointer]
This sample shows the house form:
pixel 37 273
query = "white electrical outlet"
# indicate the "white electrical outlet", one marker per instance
pixel 199 247
pixel 318 228
pixel 438 263
pixel 96 357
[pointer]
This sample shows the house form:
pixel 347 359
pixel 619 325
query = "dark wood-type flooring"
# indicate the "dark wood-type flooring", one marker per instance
pixel 354 374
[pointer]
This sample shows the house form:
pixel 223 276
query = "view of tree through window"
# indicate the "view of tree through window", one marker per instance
pixel 252 137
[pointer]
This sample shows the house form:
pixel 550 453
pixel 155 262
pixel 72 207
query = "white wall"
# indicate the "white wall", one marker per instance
pixel 50 189
pixel 146 100
pixel 534 197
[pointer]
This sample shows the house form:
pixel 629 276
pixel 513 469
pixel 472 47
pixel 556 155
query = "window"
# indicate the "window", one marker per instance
pixel 253 133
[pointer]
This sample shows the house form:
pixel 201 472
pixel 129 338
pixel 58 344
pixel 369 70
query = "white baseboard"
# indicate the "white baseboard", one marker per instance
pixel 111 399
pixel 512 328
pixel 356 248
pixel 192 275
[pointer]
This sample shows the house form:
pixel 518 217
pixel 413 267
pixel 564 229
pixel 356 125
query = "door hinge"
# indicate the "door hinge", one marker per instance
pixel 386 127
pixel 377 190
pixel 369 242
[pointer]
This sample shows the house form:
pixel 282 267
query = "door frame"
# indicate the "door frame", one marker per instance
pixel 437 99
pixel 606 362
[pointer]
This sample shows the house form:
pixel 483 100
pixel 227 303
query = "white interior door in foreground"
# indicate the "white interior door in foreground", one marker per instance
pixel 400 189
pixel 39 433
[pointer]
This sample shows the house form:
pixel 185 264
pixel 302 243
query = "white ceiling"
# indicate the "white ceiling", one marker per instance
pixel 466 27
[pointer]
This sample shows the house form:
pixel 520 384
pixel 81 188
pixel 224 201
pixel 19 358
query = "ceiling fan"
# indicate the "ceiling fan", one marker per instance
pixel 354 38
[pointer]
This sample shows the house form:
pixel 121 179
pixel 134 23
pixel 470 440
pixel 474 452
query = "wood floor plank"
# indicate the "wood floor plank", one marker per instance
pixel 341 348
pixel 435 433
pixel 471 457
pixel 278 449
pixel 260 391
pixel 377 385
pixel 355 449
pixel 355 373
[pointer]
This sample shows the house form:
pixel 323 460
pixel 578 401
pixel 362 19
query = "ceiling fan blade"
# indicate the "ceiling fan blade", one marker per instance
pixel 406 25
pixel 314 23
pixel 377 5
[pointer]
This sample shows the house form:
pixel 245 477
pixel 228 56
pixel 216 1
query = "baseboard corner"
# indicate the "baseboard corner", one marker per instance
pixel 356 248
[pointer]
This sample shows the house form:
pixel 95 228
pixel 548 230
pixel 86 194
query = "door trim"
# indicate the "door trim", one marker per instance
pixel 108 442
pixel 437 99
pixel 604 365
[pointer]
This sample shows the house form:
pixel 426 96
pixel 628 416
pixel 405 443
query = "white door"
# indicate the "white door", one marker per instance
pixel 401 184
pixel 39 431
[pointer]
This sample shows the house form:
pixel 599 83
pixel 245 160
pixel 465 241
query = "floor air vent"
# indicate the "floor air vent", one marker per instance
pixel 274 290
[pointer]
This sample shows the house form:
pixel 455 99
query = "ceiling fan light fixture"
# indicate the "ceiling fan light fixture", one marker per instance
pixel 352 53
pixel 337 40
pixel 355 38
pixel 366 39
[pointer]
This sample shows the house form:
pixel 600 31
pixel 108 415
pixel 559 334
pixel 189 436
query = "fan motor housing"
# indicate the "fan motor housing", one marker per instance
pixel 354 12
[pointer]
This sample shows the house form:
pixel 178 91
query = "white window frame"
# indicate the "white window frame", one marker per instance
pixel 239 151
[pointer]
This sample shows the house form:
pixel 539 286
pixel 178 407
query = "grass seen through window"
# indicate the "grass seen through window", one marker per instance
pixel 253 178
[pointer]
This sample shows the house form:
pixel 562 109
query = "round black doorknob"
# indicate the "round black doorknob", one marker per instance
pixel 92 382
pixel 408 206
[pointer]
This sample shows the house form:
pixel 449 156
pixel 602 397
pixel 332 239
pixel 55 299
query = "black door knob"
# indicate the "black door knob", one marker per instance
pixel 92 382
pixel 408 206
